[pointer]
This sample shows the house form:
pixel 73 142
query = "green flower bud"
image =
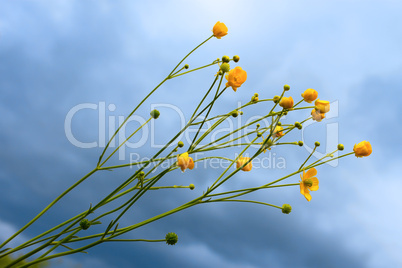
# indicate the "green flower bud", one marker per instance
pixel 241 112
pixel 225 67
pixel 155 114
pixel 286 209
pixel 220 72
pixel 225 59
pixel 84 224
pixel 298 125
pixel 258 125
pixel 254 98
pixel 286 87
pixel 316 143
pixel 186 66
pixel 300 143
pixel 234 113
pixel 180 144
pixel 236 58
pixel 340 147
pixel 171 238
pixel 256 94
pixel 259 134
pixel 276 98
pixel 191 186
pixel 279 124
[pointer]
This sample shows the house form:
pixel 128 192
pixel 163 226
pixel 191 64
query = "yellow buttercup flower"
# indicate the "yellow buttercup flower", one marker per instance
pixel 286 103
pixel 241 161
pixel 317 116
pixel 322 106
pixel 236 77
pixel 308 183
pixel 184 161
pixel 278 132
pixel 362 149
pixel 220 30
pixel 309 95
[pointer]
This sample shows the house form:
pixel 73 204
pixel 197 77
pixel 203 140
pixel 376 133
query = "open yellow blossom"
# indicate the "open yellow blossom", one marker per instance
pixel 317 116
pixel 184 161
pixel 241 161
pixel 286 103
pixel 278 132
pixel 362 149
pixel 322 106
pixel 308 183
pixel 220 30
pixel 309 95
pixel 236 78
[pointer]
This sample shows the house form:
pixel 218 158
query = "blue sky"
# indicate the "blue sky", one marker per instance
pixel 55 55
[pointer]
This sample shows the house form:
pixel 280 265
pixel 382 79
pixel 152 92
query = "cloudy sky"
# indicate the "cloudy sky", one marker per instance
pixel 106 56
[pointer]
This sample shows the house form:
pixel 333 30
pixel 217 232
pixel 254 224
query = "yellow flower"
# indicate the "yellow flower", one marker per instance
pixel 317 116
pixel 309 95
pixel 362 149
pixel 322 106
pixel 220 30
pixel 308 183
pixel 236 78
pixel 184 161
pixel 241 161
pixel 278 132
pixel 286 103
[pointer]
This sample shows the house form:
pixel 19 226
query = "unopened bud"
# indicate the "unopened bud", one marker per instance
pixel 225 67
pixel 171 238
pixel 286 209
pixel 236 58
pixel 225 59
pixel 155 114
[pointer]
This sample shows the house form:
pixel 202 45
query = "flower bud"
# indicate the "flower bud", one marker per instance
pixel 258 125
pixel 186 66
pixel 286 102
pixel 171 238
pixel 241 112
pixel 234 113
pixel 322 106
pixel 286 87
pixel 84 224
pixel 241 161
pixel 316 143
pixel 220 30
pixel 155 114
pixel 279 124
pixel 191 186
pixel 309 95
pixel 254 98
pixel 298 125
pixel 236 58
pixel 259 134
pixel 362 149
pixel 286 209
pixel 180 144
pixel 317 116
pixel 225 59
pixel 225 67
pixel 300 143
pixel 276 98
pixel 340 147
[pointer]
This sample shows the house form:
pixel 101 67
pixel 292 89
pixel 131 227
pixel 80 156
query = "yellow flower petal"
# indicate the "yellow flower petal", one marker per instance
pixel 310 173
pixel 314 187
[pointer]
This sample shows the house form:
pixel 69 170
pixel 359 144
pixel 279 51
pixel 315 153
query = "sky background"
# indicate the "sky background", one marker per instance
pixel 55 55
